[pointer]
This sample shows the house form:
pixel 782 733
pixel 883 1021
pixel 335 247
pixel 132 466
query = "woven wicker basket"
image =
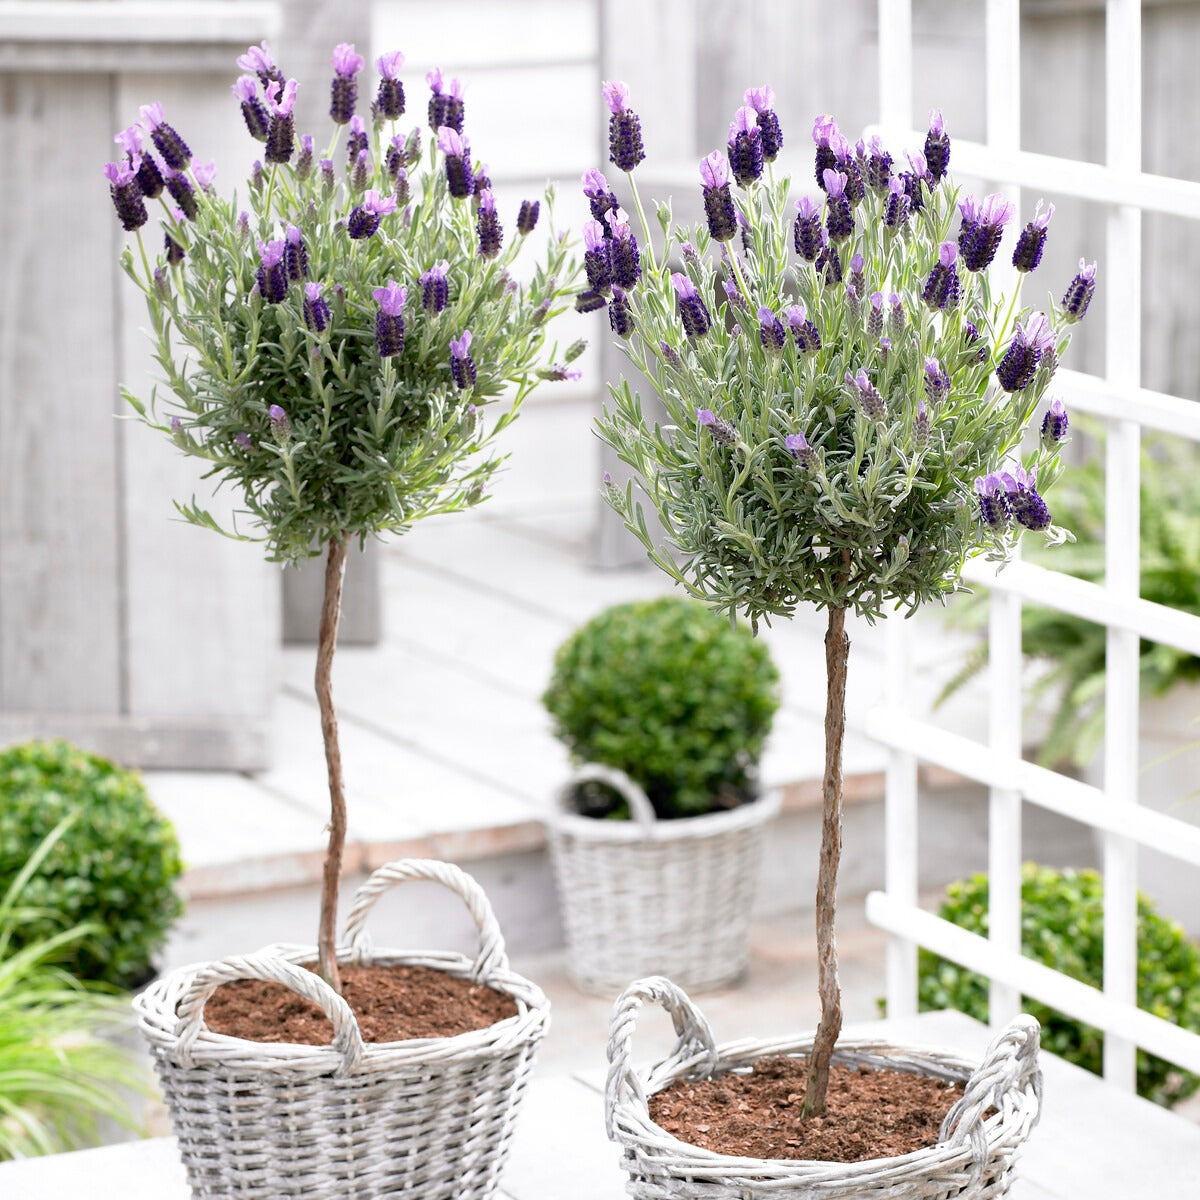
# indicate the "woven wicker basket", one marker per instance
pixel 650 897
pixel 429 1117
pixel 973 1160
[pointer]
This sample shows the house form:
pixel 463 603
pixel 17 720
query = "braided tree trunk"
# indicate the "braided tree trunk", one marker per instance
pixel 837 654
pixel 335 571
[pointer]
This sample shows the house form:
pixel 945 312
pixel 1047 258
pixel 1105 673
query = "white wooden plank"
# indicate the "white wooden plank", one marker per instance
pixel 183 21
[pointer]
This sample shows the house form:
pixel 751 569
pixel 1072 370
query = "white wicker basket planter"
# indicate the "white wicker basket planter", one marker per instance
pixel 974 1160
pixel 650 897
pixel 350 1121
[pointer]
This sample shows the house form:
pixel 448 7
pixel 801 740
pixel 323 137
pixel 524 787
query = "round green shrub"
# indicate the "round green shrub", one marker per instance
pixel 673 695
pixel 1062 926
pixel 115 867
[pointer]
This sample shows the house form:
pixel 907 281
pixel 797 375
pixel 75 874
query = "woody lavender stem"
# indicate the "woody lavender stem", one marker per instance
pixel 837 653
pixel 335 570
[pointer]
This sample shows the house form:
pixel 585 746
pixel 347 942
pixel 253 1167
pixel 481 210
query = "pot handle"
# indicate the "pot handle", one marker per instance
pixel 632 793
pixel 695 1039
pixel 1010 1064
pixel 491 956
pixel 346 1035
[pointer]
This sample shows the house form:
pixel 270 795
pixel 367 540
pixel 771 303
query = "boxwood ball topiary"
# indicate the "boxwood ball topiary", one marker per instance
pixel 116 866
pixel 673 695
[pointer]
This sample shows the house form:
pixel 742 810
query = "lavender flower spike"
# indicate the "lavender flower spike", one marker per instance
pixel 625 263
pixel 487 226
pixel 343 91
pixel 389 100
pixel 875 316
pixel 126 195
pixel 762 100
pixel 897 205
pixel 770 330
pixel 258 59
pixel 281 133
pixel 620 315
pixel 745 148
pixel 446 108
pixel 942 287
pixel 879 165
pixel 937 381
pixel 797 446
pixel 718 203
pixel 1055 424
pixel 462 365
pixel 272 274
pixel 295 254
pixel 839 217
pixel 722 431
pixel 457 150
pixel 365 219
pixel 806 232
pixel 1020 362
pixel 624 128
pixel 316 309
pixel 982 227
pixel 869 399
pixel 389 319
pixel 254 112
pixel 825 130
pixel 1079 294
pixel 166 141
pixel 695 317
pixel 993 501
pixel 435 289
pixel 804 332
pixel 1023 500
pixel 1032 240
pixel 597 259
pixel 921 425
pixel 527 217
pixel 937 146
pixel 281 427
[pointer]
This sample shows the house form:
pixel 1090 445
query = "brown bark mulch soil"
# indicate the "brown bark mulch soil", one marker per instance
pixel 392 1004
pixel 870 1113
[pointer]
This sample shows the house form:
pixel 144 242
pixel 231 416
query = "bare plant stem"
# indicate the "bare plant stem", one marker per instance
pixel 331 609
pixel 837 654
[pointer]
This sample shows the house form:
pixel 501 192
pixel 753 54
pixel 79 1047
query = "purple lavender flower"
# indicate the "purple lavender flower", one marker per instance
pixel 1032 240
pixel 435 288
pixel 624 128
pixel 1055 424
pixel 770 331
pixel 400 189
pixel 181 192
pixel 295 254
pixel 718 203
pixel 600 199
pixel 389 100
pixel 457 150
pixel 804 332
pixel 1080 292
pixel 487 226
pixel 825 129
pixel 481 180
pixel 149 178
pixel 462 365
pixel 745 148
pixel 343 91
pixel 327 180
pixel 734 294
pixel 971 338
pixel 857 262
pixel 174 249
pixel 982 227
pixel 853 304
pixel 897 320
pixel 1020 362
pixel 304 160
pixel 722 431
pixel 942 287
pixel 360 176
pixel 126 195
pixel 670 355
pixel 258 59
pixel 846 164
pixel 316 310
pixel 797 446
pixel 356 139
pixel 166 141
pixel 897 205
pixel 625 263
pixel 254 112
pixel 937 146
pixel 1026 505
pixel 620 316
pixel 527 217
pixel 879 165
pixel 806 233
pixel 272 274
pixel 829 264
pixel 875 316
pixel 762 100
pixel 365 219
pixel 389 319
pixel 204 174
pixel 281 427
pixel 937 381
pixel 696 321
pixel 395 158
pixel 869 400
pixel 242 440
pixel 916 179
pixel 446 108
pixel 589 301
pixel 839 217
pixel 921 426
pixel 597 260
pixel 994 508
pixel 281 132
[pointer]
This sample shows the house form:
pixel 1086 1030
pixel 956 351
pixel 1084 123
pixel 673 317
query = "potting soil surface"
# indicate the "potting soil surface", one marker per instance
pixel 870 1113
pixel 392 1004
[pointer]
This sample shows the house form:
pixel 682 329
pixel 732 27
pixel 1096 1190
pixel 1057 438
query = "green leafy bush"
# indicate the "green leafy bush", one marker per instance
pixel 60 1072
pixel 673 695
pixel 115 869
pixel 1062 926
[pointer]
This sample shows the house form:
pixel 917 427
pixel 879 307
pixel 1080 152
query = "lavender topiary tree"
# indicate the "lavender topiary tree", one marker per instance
pixel 852 409
pixel 328 349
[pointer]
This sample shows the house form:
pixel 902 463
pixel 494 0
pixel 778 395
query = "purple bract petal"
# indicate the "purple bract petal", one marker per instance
pixel 391 298
pixel 388 65
pixel 616 96
pixel 346 62
pixel 714 170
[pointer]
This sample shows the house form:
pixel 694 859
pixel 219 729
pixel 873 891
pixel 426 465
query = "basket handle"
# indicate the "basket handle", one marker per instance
pixel 1010 1064
pixel 695 1038
pixel 632 793
pixel 491 956
pixel 346 1035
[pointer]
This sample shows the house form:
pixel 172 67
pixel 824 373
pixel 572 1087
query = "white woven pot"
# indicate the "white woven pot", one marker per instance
pixel 429 1117
pixel 647 897
pixel 972 1160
